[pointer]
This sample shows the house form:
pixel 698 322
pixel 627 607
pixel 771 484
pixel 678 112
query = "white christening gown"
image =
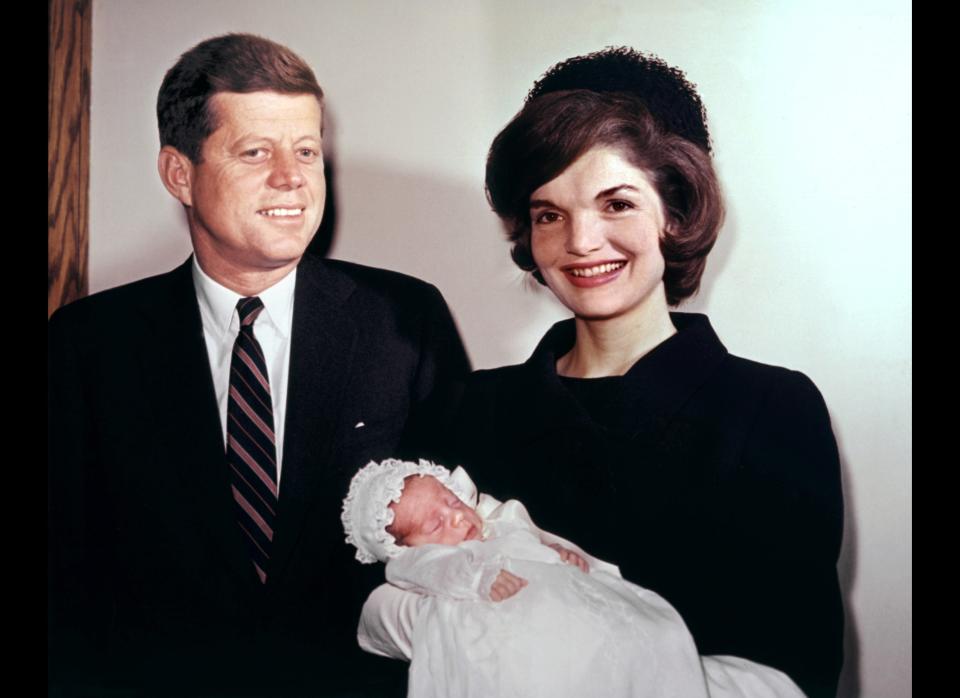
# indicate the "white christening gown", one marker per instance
pixel 567 634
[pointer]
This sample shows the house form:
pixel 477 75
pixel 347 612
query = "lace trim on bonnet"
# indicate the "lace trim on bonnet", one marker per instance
pixel 366 509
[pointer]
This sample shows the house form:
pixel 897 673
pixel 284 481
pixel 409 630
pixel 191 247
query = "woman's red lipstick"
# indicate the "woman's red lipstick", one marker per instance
pixel 590 274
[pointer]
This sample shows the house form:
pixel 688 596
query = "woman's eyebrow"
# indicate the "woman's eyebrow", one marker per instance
pixel 613 190
pixel 542 203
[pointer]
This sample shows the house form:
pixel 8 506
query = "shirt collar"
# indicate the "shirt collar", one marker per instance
pixel 218 303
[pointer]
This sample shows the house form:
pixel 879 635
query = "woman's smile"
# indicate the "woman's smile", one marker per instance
pixel 587 275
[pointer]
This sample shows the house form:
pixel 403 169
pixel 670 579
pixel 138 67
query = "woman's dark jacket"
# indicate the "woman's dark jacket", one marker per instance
pixel 721 490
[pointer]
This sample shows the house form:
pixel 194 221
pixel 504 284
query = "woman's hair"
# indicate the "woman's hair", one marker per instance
pixel 555 128
pixel 665 90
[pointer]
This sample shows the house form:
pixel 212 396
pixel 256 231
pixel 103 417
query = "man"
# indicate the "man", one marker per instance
pixel 204 423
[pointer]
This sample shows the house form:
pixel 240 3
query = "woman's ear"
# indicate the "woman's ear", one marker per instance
pixel 669 228
pixel 176 173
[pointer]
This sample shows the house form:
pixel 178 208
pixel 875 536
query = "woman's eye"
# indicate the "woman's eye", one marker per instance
pixel 619 206
pixel 547 217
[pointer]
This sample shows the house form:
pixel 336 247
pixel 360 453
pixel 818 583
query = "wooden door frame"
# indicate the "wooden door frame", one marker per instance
pixel 68 150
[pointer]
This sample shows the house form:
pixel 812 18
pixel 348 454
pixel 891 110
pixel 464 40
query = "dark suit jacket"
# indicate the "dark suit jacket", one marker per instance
pixel 150 589
pixel 723 493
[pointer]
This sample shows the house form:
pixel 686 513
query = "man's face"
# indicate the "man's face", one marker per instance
pixel 256 198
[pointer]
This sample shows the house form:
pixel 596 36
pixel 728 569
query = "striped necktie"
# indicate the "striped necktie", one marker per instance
pixel 251 445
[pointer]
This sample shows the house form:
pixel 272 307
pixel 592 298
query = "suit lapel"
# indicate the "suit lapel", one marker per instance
pixel 321 352
pixel 186 425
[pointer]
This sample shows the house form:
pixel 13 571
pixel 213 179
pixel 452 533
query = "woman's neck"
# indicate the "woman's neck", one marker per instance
pixel 609 347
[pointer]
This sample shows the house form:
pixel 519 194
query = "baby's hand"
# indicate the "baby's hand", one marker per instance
pixel 506 585
pixel 570 557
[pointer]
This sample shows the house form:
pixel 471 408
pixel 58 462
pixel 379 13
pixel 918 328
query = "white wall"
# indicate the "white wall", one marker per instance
pixel 809 107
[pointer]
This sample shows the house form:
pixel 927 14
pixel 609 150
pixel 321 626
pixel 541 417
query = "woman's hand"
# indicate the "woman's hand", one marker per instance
pixel 570 557
pixel 506 585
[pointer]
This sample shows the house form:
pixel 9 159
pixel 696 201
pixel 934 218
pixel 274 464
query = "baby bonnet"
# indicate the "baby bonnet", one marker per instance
pixel 366 508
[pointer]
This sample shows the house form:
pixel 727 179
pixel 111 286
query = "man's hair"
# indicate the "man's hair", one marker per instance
pixel 230 63
pixel 555 128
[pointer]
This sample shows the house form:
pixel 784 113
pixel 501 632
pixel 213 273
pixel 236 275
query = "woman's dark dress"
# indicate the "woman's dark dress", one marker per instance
pixel 711 479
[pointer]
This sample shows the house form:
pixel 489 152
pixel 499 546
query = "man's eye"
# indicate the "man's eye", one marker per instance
pixel 254 154
pixel 309 153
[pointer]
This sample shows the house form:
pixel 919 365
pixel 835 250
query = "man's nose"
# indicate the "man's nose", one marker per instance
pixel 286 173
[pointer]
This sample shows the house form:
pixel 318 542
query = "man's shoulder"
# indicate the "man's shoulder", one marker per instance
pixel 493 376
pixel 116 304
pixel 373 278
pixel 496 388
pixel 371 284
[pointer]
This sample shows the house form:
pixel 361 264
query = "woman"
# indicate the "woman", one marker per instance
pixel 710 479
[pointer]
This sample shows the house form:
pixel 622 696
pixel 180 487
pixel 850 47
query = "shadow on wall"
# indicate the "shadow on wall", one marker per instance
pixel 326 234
pixel 442 230
pixel 163 249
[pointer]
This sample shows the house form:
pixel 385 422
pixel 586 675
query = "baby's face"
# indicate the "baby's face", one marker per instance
pixel 430 513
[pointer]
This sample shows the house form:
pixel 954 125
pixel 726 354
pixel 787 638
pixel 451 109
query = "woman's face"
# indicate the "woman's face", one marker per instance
pixel 595 236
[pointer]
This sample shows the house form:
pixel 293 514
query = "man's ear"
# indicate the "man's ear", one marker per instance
pixel 176 173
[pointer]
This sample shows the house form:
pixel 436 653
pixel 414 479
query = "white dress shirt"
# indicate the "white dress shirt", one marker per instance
pixel 272 328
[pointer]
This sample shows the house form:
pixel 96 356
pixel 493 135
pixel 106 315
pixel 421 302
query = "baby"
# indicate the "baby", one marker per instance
pixel 564 623
pixel 428 512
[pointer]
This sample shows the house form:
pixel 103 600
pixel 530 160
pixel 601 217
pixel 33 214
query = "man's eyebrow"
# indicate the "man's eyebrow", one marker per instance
pixel 247 139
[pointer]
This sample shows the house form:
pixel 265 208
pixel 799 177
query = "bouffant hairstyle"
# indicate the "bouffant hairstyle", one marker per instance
pixel 230 63
pixel 665 90
pixel 554 128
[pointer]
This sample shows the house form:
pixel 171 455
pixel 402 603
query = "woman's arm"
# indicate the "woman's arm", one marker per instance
pixel 788 613
pixel 387 621
pixel 391 611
